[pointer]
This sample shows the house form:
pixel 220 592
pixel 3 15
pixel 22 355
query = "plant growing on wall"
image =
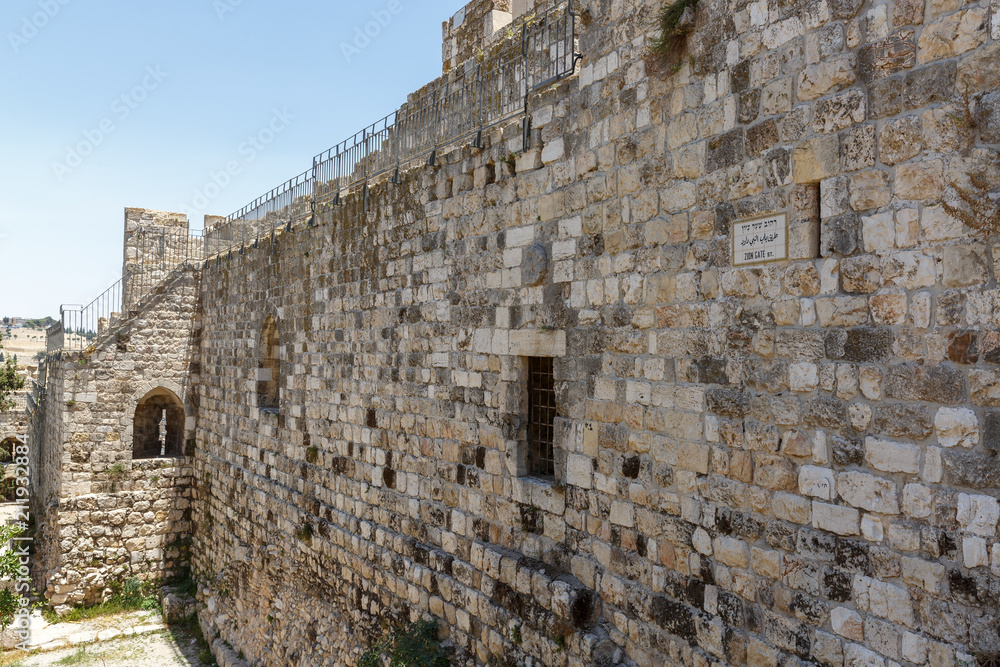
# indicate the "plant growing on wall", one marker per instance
pixel 415 645
pixel 10 381
pixel 978 205
pixel 674 21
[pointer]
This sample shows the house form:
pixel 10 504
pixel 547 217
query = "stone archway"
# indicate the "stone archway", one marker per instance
pixel 158 425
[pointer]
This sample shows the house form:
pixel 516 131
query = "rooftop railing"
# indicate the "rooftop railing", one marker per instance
pixel 158 253
pixel 490 89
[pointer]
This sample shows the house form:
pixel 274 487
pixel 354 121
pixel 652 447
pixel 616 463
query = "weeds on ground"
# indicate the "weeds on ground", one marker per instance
pixel 132 595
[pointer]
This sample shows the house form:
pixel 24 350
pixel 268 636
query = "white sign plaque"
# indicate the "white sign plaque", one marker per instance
pixel 760 240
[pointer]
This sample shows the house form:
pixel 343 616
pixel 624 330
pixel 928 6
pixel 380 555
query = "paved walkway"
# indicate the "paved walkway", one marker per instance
pixel 159 649
pixel 136 639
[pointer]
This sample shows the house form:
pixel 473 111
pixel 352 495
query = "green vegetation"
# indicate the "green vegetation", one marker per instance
pixel 667 45
pixel 116 471
pixel 132 595
pixel 42 323
pixel 81 657
pixel 305 533
pixel 10 381
pixel 10 566
pixel 416 645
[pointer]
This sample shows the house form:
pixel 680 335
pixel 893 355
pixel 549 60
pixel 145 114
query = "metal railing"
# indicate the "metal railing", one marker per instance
pixel 491 89
pixel 154 254
pixel 486 91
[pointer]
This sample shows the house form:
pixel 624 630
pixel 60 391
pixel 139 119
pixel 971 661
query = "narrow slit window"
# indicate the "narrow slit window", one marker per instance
pixel 541 417
pixel 269 367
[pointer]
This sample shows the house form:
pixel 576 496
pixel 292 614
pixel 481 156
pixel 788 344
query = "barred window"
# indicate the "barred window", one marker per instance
pixel 541 417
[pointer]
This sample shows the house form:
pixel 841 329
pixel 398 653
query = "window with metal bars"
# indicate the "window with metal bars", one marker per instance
pixel 541 417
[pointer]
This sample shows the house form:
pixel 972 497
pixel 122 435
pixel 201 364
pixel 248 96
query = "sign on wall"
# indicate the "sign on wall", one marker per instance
pixel 760 240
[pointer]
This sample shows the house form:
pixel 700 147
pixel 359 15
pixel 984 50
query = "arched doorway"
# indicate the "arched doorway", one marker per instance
pixel 158 426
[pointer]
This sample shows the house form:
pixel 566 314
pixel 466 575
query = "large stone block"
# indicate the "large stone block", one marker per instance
pixel 833 74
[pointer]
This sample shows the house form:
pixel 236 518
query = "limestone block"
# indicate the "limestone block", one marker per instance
pixel 833 74
pixel 856 655
pixel 776 97
pixel 529 160
pixel 622 514
pixel 816 158
pixel 553 151
pixel 803 377
pixel 858 148
pixel 839 112
pixel 956 427
pixel 918 501
pixel 952 35
pixel 965 265
pixel 868 492
pixel 900 139
pixel 974 552
pixel 817 482
pixel 869 190
pixel 978 514
pixel 889 456
pixel 920 180
pixel 732 551
pixel 883 599
pixel 847 623
pixel 872 529
pixel 836 519
pixel 914 648
pixel 861 275
pixel 909 270
pixel 782 32
pixel 842 311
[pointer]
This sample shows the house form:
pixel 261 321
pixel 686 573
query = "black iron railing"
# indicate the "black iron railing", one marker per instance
pixel 154 254
pixel 491 89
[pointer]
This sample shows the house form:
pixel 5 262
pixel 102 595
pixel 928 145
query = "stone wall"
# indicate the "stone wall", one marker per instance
pixel 104 516
pixel 788 464
pixel 767 465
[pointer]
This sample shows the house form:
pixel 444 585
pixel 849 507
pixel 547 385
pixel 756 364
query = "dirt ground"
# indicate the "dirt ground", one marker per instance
pixel 25 343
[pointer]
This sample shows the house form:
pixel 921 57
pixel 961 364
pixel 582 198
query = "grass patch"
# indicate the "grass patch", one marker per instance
pixel 133 595
pixel 81 657
pixel 16 658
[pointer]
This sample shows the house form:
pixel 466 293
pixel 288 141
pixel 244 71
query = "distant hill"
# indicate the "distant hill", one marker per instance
pixel 38 323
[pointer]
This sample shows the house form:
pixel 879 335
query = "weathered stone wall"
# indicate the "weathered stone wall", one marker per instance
pixel 780 465
pixel 106 517
pixel 770 465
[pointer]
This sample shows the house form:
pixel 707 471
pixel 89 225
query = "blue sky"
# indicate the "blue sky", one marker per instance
pixel 107 105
